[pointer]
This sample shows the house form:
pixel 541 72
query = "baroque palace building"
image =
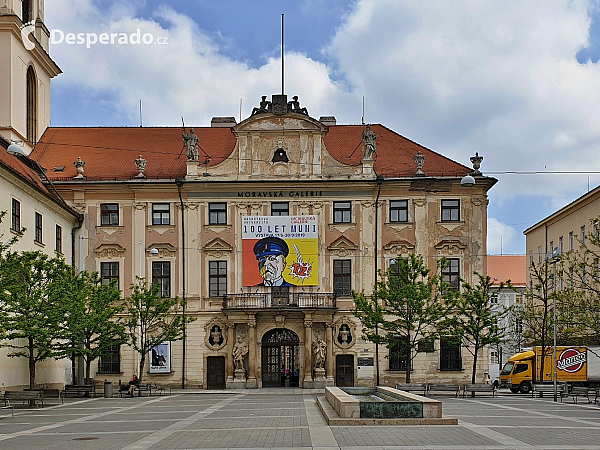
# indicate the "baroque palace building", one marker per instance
pixel 265 227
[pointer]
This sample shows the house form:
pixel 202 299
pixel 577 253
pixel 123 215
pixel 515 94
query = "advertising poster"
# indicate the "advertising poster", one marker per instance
pixel 160 358
pixel 280 250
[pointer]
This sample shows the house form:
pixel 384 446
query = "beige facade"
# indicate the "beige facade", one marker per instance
pixel 311 183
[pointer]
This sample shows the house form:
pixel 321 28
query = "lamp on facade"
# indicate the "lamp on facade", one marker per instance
pixel 467 181
pixel 154 251
pixel 15 149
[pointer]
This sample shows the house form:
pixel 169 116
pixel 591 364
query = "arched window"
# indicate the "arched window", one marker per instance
pixel 26 11
pixel 31 106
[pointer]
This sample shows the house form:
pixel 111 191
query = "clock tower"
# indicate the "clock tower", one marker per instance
pixel 25 71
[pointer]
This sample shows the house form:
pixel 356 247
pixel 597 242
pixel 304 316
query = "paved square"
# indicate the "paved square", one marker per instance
pixel 288 419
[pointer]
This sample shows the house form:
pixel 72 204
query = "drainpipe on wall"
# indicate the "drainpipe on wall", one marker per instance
pixel 379 183
pixel 179 183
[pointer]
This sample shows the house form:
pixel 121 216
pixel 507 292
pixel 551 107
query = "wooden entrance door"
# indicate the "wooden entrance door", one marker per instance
pixel 215 372
pixel 344 370
pixel 271 365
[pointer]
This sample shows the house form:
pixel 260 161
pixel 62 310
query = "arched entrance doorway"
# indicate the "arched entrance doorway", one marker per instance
pixel 280 358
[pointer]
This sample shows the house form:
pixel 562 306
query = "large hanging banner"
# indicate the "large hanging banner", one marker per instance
pixel 280 250
pixel 160 358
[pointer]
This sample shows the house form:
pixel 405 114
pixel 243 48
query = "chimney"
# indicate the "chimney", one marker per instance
pixel 222 122
pixel 328 120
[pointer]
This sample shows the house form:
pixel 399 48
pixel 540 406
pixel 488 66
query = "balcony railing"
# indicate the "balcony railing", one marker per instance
pixel 262 300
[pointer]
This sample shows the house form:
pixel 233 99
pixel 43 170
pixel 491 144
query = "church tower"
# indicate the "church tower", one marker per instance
pixel 25 71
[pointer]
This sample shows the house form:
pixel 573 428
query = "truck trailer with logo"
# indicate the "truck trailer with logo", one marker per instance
pixel 578 366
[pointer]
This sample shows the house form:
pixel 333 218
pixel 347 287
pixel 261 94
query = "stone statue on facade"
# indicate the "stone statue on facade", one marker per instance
pixel 294 106
pixel 265 106
pixel 216 335
pixel 190 141
pixel 239 351
pixel 319 348
pixel 370 146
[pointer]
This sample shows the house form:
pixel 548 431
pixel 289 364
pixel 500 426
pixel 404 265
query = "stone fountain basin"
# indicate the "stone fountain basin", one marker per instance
pixel 380 406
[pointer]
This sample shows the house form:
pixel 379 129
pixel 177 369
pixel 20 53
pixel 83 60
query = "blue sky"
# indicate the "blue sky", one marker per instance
pixel 513 81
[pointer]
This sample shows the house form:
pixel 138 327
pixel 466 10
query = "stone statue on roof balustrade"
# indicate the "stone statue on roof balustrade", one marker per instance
pixel 370 146
pixel 190 141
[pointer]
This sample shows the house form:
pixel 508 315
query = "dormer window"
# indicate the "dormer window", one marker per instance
pixel 280 156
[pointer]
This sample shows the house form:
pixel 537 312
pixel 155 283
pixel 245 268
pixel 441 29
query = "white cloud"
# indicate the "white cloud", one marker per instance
pixel 499 78
pixel 499 237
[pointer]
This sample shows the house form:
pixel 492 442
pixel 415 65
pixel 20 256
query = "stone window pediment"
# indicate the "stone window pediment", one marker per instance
pixel 342 246
pixel 451 246
pixel 164 250
pixel 109 251
pixel 217 248
pixel 401 247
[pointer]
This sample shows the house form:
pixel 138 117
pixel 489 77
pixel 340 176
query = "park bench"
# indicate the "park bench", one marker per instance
pixel 412 387
pixel 29 397
pixel 481 388
pixel 53 393
pixel 86 390
pixel 452 388
pixel 578 391
pixel 540 389
pixel 143 388
pixel 160 388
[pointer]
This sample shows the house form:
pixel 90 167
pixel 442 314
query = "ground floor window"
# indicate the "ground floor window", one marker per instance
pixel 111 361
pixel 399 355
pixel 450 357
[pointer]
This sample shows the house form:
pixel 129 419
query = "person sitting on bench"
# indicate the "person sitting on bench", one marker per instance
pixel 133 383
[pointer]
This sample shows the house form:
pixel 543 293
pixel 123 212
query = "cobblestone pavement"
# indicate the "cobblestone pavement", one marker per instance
pixel 280 418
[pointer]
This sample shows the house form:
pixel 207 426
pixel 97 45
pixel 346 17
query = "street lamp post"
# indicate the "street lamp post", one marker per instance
pixel 553 259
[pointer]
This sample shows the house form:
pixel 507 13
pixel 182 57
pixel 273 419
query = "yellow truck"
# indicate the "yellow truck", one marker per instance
pixel 575 365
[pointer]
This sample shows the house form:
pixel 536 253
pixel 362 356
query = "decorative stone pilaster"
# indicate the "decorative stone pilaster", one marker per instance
pixel 230 343
pixel 308 379
pixel 252 382
pixel 329 358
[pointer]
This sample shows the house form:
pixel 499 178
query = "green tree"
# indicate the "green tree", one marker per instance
pixel 152 319
pixel 476 318
pixel 408 306
pixel 32 319
pixel 92 323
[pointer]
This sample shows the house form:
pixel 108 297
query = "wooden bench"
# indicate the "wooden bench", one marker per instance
pixel 160 388
pixel 24 396
pixel 481 388
pixel 452 388
pixel 412 387
pixel 54 393
pixel 540 389
pixel 143 388
pixel 578 391
pixel 86 390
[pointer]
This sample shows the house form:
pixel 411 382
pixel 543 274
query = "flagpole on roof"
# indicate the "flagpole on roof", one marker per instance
pixel 282 63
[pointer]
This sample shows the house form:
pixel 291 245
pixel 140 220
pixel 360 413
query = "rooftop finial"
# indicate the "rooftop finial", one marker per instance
pixel 140 165
pixel 476 161
pixel 79 165
pixel 419 161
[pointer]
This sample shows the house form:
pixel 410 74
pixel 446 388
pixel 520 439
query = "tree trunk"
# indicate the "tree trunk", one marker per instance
pixel 73 369
pixel 142 362
pixel 31 365
pixel 88 364
pixel 474 372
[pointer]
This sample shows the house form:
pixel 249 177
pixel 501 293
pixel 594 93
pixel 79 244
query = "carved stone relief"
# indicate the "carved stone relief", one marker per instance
pixel 342 247
pixel 344 332
pixel 215 334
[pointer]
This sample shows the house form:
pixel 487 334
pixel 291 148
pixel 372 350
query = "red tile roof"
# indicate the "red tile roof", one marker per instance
pixel 109 152
pixel 508 267
pixel 20 169
pixel 395 153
